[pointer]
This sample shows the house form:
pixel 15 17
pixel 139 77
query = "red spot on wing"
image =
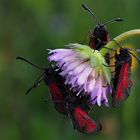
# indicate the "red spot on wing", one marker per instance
pixel 57 98
pixel 124 84
pixel 119 94
pixel 55 92
pixel 83 122
pixel 124 74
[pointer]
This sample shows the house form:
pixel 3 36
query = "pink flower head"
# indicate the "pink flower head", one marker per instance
pixel 84 71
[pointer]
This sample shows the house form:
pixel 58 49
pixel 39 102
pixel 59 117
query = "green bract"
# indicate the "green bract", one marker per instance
pixel 95 57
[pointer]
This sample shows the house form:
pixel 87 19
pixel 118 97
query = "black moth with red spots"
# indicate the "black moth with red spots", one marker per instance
pixel 122 78
pixel 100 36
pixel 65 101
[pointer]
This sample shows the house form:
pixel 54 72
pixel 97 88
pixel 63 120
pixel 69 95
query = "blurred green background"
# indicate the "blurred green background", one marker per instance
pixel 28 28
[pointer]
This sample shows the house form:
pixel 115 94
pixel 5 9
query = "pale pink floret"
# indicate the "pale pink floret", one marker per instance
pixel 81 76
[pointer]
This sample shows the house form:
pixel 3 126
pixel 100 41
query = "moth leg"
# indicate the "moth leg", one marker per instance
pixel 90 109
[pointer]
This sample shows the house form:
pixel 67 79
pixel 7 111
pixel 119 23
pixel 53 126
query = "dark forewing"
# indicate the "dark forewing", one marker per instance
pixel 83 122
pixel 57 97
pixel 123 84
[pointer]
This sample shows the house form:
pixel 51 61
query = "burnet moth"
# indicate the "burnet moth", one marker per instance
pixel 54 82
pixel 77 111
pixel 99 36
pixel 65 101
pixel 81 120
pixel 122 78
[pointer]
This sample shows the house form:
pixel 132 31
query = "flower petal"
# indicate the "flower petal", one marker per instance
pixel 84 75
pixel 59 50
pixel 60 55
pixel 80 68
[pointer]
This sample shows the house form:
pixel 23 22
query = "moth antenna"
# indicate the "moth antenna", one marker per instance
pixel 36 83
pixel 138 59
pixel 88 10
pixel 117 43
pixel 113 21
pixel 27 61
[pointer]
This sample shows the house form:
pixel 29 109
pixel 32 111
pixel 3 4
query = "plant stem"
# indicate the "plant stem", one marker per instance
pixel 120 38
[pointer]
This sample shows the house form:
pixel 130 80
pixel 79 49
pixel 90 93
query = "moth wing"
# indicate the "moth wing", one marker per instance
pixel 57 98
pixel 123 87
pixel 83 122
